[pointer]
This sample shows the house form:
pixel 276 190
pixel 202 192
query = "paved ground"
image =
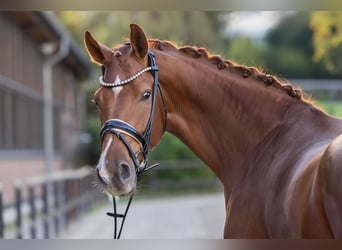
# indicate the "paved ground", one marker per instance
pixel 189 217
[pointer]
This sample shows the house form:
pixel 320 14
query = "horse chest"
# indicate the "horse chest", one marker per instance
pixel 243 217
pixel 278 207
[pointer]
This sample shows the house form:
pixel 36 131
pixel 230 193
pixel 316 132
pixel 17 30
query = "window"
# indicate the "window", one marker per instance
pixel 21 126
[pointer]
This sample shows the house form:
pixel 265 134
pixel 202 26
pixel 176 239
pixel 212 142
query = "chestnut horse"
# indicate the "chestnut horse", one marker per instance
pixel 278 156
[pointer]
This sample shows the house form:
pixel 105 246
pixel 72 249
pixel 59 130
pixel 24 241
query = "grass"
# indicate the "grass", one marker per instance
pixel 334 108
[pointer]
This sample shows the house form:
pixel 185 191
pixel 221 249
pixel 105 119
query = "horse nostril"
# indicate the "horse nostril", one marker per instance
pixel 124 172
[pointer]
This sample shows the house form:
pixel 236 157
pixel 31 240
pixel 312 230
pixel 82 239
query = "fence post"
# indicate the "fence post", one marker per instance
pixel 33 212
pixel 18 187
pixel 90 195
pixel 63 204
pixel 74 198
pixel 45 211
pixel 66 202
pixel 1 215
pixel 79 197
pixel 56 206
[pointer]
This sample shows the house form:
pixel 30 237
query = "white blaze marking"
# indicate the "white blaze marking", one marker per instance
pixel 117 89
pixel 102 163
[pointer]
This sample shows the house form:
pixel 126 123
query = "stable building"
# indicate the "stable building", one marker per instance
pixel 29 41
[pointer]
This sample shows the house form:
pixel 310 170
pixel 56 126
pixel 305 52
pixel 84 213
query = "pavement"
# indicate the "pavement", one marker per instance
pixel 184 217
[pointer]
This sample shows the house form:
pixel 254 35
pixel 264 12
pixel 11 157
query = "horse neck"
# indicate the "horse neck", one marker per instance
pixel 218 114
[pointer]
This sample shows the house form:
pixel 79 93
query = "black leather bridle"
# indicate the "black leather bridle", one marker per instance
pixel 121 128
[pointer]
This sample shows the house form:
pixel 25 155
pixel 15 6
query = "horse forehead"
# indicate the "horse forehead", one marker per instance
pixel 121 69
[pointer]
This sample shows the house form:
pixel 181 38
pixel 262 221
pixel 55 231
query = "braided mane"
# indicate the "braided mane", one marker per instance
pixel 244 71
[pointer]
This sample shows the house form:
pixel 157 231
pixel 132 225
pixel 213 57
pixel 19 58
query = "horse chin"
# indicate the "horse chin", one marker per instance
pixel 127 190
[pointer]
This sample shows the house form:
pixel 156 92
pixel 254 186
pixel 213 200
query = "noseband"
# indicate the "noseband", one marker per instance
pixel 121 128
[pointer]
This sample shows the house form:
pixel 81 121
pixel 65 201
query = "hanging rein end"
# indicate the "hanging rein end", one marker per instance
pixel 115 215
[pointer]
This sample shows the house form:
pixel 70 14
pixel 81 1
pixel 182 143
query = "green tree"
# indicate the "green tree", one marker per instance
pixel 286 50
pixel 185 27
pixel 290 51
pixel 245 51
pixel 327 39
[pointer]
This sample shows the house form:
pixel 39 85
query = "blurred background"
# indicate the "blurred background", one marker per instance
pixel 49 129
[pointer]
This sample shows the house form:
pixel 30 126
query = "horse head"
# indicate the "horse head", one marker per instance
pixel 128 104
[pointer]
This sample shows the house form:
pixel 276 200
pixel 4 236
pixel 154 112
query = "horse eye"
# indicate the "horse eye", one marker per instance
pixel 146 95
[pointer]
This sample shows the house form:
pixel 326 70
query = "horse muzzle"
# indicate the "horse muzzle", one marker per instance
pixel 121 181
pixel 116 171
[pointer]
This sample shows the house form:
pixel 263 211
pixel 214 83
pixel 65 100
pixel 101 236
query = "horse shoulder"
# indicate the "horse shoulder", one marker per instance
pixel 331 173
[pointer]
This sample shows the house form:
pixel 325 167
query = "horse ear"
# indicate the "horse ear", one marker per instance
pixel 98 52
pixel 138 41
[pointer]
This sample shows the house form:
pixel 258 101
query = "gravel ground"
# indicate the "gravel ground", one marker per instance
pixel 185 217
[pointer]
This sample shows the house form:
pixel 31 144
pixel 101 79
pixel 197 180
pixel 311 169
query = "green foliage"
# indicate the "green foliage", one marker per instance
pixel 93 128
pixel 171 148
pixel 290 49
pixel 286 51
pixel 90 152
pixel 181 26
pixel 331 107
pixel 244 51
pixel 327 38
pixel 285 62
pixel 292 32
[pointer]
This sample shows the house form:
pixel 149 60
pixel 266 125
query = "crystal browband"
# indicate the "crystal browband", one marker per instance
pixel 118 83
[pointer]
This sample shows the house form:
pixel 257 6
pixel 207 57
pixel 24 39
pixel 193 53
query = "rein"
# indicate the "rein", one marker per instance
pixel 121 128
